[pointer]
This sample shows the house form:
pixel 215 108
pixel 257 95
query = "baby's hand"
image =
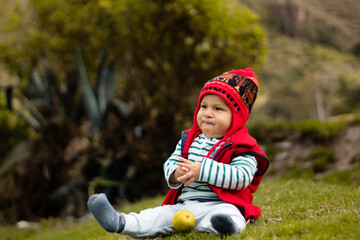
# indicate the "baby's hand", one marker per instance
pixel 190 170
pixel 180 171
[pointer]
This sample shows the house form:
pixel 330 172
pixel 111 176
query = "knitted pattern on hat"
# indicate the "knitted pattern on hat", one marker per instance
pixel 240 87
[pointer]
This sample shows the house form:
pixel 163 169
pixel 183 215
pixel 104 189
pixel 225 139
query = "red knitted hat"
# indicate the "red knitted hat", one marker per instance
pixel 240 88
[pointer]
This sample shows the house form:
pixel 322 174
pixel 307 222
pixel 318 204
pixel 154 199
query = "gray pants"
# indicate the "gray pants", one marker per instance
pixel 153 222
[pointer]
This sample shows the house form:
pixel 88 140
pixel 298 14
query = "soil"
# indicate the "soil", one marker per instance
pixel 293 152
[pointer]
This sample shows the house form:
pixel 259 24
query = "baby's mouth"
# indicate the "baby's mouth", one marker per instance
pixel 208 123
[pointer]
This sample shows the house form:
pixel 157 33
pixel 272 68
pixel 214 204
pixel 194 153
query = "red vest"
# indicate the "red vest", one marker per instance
pixel 240 143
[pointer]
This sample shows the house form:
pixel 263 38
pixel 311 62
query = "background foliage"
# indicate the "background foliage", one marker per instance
pixel 108 86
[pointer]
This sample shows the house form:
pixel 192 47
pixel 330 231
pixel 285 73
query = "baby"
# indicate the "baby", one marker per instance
pixel 215 168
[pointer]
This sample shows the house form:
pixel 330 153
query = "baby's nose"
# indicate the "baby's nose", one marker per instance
pixel 208 113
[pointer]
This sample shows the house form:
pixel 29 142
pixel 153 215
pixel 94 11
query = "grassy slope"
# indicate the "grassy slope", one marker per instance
pixel 292 209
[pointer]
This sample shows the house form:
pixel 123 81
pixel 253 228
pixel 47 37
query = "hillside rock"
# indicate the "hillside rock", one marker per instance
pixel 296 152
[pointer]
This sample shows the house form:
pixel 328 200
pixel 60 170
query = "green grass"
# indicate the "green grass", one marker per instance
pixel 292 209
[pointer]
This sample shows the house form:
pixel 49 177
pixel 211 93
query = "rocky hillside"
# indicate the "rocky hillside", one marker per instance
pixel 312 67
pixel 314 49
pixel 313 150
pixel 330 22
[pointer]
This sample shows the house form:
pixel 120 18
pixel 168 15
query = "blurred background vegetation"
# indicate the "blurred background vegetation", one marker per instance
pixel 94 94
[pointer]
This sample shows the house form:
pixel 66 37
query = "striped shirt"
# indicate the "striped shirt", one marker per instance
pixel 234 176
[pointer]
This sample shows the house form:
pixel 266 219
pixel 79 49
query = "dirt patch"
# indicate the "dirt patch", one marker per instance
pixel 346 147
pixel 294 152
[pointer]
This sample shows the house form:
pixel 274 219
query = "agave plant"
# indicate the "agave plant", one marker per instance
pixel 98 99
pixel 44 106
pixel 29 103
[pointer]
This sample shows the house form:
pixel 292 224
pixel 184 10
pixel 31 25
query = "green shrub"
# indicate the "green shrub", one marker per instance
pixel 322 132
pixel 320 165
pixel 12 130
pixel 298 171
pixel 321 158
pixel 268 133
pixel 355 159
pixel 356 118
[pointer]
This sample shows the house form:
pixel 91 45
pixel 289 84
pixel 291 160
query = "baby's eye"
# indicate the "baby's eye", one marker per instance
pixel 203 106
pixel 218 109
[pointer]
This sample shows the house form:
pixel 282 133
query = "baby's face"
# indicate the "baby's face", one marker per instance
pixel 214 117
